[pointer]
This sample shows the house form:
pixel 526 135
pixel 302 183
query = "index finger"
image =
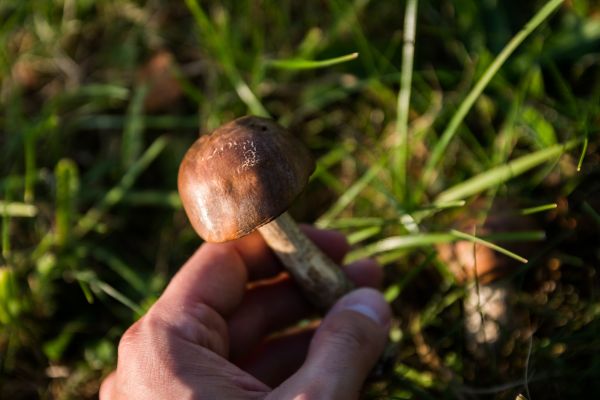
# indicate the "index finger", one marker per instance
pixel 215 275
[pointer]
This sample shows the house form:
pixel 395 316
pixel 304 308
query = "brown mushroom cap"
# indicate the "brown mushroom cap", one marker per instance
pixel 241 176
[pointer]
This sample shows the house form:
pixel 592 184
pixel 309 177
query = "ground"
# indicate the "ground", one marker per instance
pixel 484 126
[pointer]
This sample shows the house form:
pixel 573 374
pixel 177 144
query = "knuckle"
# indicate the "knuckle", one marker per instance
pixel 130 339
pixel 140 336
pixel 104 389
pixel 141 357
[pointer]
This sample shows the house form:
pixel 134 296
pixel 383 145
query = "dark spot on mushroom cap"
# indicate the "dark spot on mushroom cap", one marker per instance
pixel 241 176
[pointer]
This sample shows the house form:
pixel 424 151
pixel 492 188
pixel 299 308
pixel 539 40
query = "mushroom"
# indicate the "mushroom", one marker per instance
pixel 243 177
pixel 488 311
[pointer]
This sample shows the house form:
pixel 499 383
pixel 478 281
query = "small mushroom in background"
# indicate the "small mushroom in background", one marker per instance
pixel 487 307
pixel 25 74
pixel 243 177
pixel 159 73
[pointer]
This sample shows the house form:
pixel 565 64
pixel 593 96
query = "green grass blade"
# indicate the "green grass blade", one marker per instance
pixel 108 91
pixel 325 162
pixel 466 105
pixel 394 243
pixel 120 297
pixel 347 198
pixel 153 198
pixel 56 347
pixel 363 234
pixel 67 187
pixel 126 272
pixel 133 133
pixel 16 209
pixel 437 305
pixel 346 15
pixel 87 293
pixel 595 215
pixel 518 236
pixel 222 50
pixel 29 141
pixel 475 239
pixel 10 304
pixel 442 205
pixel 394 290
pixel 356 222
pixel 188 87
pixel 301 64
pixel 116 194
pixel 583 151
pixel 405 242
pixel 537 209
pixel 403 104
pixel 503 173
pixel 96 284
pixel 5 229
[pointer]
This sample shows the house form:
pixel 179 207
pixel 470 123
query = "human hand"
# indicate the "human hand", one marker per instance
pixel 209 336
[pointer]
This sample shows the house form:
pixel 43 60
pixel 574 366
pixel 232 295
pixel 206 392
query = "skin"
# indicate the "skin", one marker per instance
pixel 210 335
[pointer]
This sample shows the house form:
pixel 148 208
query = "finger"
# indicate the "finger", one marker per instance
pixel 366 272
pixel 332 243
pixel 262 263
pixel 265 309
pixel 280 303
pixel 343 350
pixel 215 275
pixel 279 357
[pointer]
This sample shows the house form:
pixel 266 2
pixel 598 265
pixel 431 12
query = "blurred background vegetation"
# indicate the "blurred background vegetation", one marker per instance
pixel 457 139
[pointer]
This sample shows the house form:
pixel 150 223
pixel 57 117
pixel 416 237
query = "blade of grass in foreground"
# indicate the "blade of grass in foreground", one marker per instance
pixel 491 245
pixel 503 173
pixel 153 198
pixel 15 209
pixel 349 195
pixel 537 209
pixel 583 151
pixel 67 188
pixel 5 230
pixel 395 243
pixel 394 290
pixel 400 242
pixel 356 222
pixel 125 271
pixel 97 285
pixel 363 234
pixel 133 133
pixel 467 103
pixel 298 64
pixel 403 104
pixel 346 15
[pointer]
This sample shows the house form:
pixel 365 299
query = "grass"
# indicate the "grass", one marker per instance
pixel 421 116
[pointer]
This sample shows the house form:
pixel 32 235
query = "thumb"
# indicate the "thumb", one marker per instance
pixel 343 350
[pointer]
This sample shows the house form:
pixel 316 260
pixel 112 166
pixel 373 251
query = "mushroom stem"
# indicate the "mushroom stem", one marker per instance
pixel 319 277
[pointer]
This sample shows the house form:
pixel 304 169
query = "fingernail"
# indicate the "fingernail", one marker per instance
pixel 368 302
